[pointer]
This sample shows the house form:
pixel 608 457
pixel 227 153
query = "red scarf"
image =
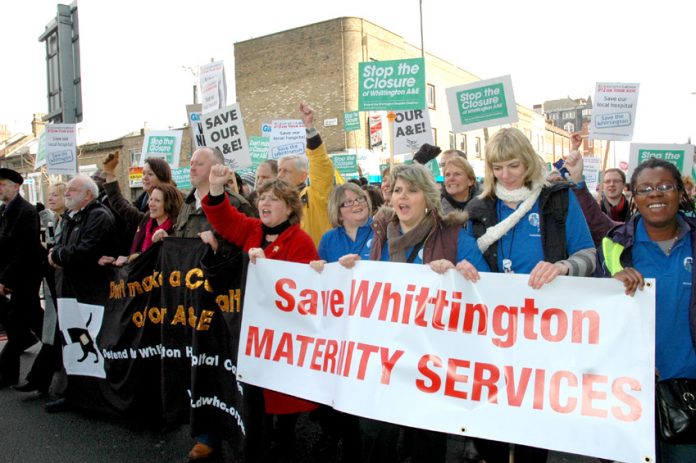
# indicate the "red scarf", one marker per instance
pixel 150 230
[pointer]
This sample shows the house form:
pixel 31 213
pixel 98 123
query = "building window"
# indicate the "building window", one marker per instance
pixel 430 95
pixel 135 157
pixel 434 136
pixel 462 144
pixel 587 112
pixel 477 148
pixel 569 115
pixel 569 127
pixel 452 141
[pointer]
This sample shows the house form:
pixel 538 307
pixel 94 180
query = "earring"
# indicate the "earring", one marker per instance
pixel 426 211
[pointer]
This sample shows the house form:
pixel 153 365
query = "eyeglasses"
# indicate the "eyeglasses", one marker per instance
pixel 352 202
pixel 644 190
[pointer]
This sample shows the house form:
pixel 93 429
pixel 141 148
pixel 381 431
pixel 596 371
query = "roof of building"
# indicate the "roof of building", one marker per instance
pixel 567 103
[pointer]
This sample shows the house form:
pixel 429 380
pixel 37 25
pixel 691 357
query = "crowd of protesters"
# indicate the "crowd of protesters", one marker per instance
pixel 296 210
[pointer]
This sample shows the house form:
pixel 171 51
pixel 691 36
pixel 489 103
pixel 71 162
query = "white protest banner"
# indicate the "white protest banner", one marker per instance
pixel 213 86
pixel 412 130
pixel 591 171
pixel 61 149
pixel 287 137
pixel 224 129
pixel 569 367
pixel 194 119
pixel 614 111
pixel 681 156
pixel 485 103
pixel 163 144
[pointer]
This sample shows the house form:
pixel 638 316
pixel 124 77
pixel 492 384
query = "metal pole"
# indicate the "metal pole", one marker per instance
pixel 420 2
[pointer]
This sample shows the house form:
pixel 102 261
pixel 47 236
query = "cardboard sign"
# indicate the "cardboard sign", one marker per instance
pixel 591 171
pixel 486 103
pixel 351 121
pixel 164 144
pixel 41 152
pixel 181 176
pixel 61 149
pixel 614 111
pixel 395 85
pixel 287 137
pixel 345 164
pixel 258 149
pixel 412 130
pixel 376 137
pixel 400 343
pixel 194 119
pixel 213 86
pixel 681 156
pixel 135 177
pixel 224 129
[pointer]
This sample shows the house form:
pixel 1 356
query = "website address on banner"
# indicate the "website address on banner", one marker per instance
pixel 220 405
pixel 442 310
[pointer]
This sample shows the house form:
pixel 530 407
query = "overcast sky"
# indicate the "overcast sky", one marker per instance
pixel 133 52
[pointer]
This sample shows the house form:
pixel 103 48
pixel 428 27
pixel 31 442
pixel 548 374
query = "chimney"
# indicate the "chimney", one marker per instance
pixel 37 125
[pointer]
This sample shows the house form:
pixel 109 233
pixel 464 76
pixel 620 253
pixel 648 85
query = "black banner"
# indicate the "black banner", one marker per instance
pixel 168 342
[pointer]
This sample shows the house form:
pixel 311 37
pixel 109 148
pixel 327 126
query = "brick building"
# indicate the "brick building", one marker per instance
pixel 319 63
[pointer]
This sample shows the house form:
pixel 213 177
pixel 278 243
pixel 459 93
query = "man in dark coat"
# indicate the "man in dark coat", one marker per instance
pixel 87 234
pixel 21 261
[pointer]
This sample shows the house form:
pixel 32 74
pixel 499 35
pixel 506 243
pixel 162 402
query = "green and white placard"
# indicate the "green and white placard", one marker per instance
pixel 351 121
pixel 486 103
pixel 395 85
pixel 681 156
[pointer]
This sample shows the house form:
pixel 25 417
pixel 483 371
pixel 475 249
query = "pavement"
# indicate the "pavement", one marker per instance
pixel 30 435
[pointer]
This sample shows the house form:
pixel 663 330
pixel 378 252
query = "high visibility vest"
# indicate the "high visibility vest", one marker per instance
pixel 612 255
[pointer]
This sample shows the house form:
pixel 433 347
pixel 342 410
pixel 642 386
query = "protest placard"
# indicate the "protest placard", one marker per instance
pixel 400 343
pixel 375 121
pixel 40 159
pixel 259 148
pixel 224 129
pixel 345 164
pixel 182 177
pixel 135 176
pixel 614 111
pixel 287 137
pixel 61 149
pixel 193 112
pixel 213 86
pixel 395 85
pixel 681 156
pixel 412 130
pixel 351 121
pixel 486 103
pixel 591 171
pixel 163 144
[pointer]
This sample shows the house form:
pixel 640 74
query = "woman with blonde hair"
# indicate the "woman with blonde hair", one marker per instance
pixel 415 231
pixel 524 225
pixel 460 184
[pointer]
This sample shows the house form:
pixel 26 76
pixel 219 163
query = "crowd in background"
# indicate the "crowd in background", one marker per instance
pixel 519 219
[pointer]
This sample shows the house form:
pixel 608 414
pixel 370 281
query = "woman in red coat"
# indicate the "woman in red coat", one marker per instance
pixel 276 234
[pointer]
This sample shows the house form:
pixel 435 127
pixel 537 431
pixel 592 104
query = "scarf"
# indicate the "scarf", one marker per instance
pixel 526 196
pixel 150 230
pixel 398 243
pixel 277 230
pixel 618 213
